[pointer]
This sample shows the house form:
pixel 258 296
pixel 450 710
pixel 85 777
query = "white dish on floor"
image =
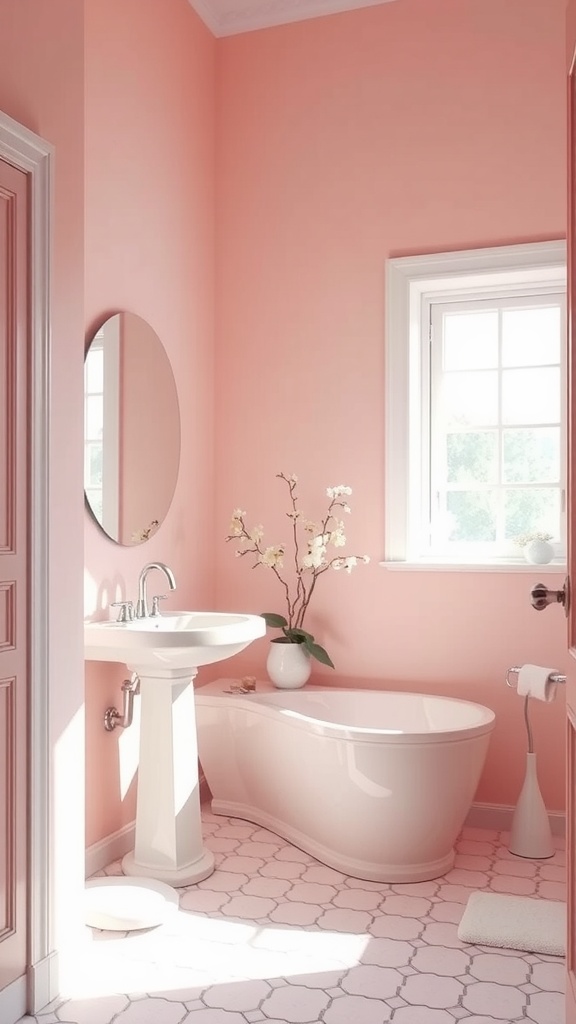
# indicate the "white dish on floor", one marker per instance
pixel 121 904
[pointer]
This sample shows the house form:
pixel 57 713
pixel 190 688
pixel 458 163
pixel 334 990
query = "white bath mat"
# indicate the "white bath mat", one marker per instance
pixel 514 922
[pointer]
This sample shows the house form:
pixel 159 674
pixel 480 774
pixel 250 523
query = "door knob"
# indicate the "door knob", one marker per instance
pixel 541 596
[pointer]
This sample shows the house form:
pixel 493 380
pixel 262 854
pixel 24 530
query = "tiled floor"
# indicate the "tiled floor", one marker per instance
pixel 272 936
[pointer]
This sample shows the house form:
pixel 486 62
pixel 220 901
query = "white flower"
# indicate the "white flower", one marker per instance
pixel 365 559
pixel 310 526
pixel 272 557
pixel 256 534
pixel 314 559
pixel 337 492
pixel 347 563
pixel 337 537
pixel 237 526
pixel 316 551
pixel 320 541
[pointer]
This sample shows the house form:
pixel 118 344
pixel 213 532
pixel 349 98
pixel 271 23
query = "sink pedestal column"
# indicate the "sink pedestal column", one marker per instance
pixel 168 824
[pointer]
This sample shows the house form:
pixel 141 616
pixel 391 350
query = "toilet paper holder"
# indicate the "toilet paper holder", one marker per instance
pixel 555 677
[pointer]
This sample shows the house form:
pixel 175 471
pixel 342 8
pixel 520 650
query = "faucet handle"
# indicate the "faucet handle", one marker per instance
pixel 126 613
pixel 155 602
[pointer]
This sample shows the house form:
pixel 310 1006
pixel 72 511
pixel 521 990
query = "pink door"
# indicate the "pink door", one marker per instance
pixel 571 674
pixel 14 327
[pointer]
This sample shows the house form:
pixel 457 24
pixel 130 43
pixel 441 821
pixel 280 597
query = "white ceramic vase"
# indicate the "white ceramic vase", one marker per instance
pixel 531 835
pixel 538 552
pixel 288 665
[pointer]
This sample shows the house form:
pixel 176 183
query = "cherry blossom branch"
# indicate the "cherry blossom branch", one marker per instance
pixel 308 567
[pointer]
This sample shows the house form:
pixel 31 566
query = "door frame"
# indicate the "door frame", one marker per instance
pixel 33 155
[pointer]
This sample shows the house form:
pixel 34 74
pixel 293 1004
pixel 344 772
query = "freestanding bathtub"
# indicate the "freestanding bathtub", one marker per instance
pixel 373 783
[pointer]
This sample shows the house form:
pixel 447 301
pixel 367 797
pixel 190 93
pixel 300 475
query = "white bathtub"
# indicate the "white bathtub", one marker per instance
pixel 376 784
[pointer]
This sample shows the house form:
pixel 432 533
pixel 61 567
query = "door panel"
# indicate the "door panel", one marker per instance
pixel 571 507
pixel 13 571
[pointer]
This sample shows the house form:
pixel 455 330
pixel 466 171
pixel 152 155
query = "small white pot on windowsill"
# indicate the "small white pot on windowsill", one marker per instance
pixel 538 551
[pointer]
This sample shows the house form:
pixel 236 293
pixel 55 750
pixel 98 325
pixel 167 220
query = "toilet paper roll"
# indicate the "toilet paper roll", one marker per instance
pixel 534 681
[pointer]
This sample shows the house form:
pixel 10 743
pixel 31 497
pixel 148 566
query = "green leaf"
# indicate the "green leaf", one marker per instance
pixel 293 636
pixel 300 634
pixel 319 653
pixel 271 619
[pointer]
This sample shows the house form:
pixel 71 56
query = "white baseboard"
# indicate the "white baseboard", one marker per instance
pixel 499 818
pixel 13 1001
pixel 118 843
pixel 110 848
pixel 493 816
pixel 43 982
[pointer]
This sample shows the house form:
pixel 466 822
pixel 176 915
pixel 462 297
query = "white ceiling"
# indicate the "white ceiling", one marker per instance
pixel 229 17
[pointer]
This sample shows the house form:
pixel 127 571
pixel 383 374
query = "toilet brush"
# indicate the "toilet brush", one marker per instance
pixel 531 835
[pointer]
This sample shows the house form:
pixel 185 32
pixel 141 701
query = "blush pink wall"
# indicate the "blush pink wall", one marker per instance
pixel 570 32
pixel 149 248
pixel 42 87
pixel 397 129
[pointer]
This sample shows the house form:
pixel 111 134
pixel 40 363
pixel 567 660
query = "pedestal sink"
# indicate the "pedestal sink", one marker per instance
pixel 166 652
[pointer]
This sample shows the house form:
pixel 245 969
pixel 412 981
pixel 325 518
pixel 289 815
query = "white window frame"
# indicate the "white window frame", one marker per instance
pixel 411 283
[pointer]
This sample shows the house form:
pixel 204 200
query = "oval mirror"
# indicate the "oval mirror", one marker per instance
pixel 131 429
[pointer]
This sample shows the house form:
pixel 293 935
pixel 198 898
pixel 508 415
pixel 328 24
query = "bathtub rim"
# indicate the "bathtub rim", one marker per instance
pixel 268 703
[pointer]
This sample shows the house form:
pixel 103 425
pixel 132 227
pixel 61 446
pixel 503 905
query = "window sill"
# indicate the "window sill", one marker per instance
pixel 428 565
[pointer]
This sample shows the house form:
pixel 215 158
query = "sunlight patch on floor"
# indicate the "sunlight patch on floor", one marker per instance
pixel 190 952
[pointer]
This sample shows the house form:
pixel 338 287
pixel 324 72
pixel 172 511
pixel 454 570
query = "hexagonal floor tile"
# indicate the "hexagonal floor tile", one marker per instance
pixel 358 1010
pixel 432 991
pixel 295 1004
pixel 241 996
pixel 500 1001
pixel 274 937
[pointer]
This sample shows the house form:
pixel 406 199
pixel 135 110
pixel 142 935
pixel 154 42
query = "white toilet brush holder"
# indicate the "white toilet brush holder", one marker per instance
pixel 531 835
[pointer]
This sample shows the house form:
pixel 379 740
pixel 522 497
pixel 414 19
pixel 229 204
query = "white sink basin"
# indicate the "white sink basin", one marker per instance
pixel 175 640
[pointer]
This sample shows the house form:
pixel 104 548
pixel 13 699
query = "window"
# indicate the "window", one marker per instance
pixel 102 425
pixel 475 410
pixel 94 423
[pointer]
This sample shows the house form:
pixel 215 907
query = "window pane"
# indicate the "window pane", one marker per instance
pixel 531 337
pixel 472 456
pixel 93 466
pixel 530 509
pixel 471 340
pixel 531 456
pixel 473 515
pixel 531 396
pixel 470 399
pixel 94 412
pixel 94 370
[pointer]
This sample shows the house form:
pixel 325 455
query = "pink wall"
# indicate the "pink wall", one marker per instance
pixel 42 86
pixel 396 129
pixel 149 248
pixel 570 32
pixel 402 128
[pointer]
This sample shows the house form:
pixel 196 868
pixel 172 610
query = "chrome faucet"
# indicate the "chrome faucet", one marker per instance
pixel 142 605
